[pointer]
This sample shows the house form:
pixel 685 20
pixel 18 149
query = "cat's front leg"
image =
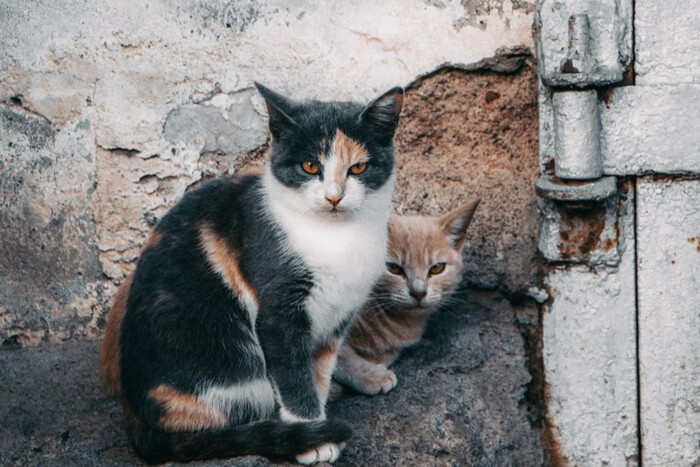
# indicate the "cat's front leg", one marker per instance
pixel 288 348
pixel 324 361
pixel 362 375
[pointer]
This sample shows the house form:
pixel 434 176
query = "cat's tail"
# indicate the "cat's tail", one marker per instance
pixel 270 438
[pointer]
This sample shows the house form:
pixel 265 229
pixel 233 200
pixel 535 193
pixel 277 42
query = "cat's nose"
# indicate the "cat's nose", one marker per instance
pixel 334 199
pixel 417 294
pixel 334 194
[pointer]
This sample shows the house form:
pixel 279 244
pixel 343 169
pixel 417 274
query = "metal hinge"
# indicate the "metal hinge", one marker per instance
pixel 582 45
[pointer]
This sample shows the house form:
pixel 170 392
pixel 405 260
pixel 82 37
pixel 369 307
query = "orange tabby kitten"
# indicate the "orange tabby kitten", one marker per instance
pixel 424 267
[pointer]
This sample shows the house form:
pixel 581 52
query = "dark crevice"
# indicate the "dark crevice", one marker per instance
pixel 636 324
pixel 127 152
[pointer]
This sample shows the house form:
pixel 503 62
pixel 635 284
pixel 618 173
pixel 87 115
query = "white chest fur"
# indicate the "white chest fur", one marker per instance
pixel 346 257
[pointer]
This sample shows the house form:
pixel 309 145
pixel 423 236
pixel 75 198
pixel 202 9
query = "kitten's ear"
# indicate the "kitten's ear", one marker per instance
pixel 382 115
pixel 278 108
pixel 454 224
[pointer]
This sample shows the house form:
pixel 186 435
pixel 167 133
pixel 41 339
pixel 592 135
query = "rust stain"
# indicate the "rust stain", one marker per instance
pixel 629 78
pixel 491 96
pixel 553 449
pixel 569 67
pixel 609 244
pixel 695 240
pixel 548 165
pixel 581 228
pixel 605 95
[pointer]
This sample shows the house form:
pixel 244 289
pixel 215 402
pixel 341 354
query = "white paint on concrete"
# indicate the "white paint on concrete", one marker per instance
pixel 652 129
pixel 667 42
pixel 668 222
pixel 590 358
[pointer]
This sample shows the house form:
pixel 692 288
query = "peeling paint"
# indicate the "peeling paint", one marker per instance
pixel 109 113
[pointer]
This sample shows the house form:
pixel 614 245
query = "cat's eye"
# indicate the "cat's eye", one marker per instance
pixel 436 269
pixel 310 167
pixel 395 269
pixel 358 168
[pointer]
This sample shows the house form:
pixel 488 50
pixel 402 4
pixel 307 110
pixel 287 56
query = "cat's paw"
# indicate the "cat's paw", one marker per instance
pixel 380 382
pixel 328 452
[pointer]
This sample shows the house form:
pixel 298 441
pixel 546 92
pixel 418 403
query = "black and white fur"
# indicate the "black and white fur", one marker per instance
pixel 305 268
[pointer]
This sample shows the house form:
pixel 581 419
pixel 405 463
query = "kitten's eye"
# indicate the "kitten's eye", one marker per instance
pixel 358 168
pixel 436 269
pixel 395 269
pixel 310 167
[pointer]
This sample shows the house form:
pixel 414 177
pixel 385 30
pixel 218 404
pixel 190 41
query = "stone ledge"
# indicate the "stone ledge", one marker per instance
pixel 460 401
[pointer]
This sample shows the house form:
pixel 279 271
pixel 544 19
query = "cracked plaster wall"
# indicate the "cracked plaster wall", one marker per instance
pixel 108 113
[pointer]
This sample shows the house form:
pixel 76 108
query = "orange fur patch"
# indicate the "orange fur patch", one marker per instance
pixel 250 170
pixel 110 352
pixel 348 151
pixel 152 240
pixel 184 412
pixel 224 260
pixel 324 363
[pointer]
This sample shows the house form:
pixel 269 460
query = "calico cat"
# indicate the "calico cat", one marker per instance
pixel 423 269
pixel 223 341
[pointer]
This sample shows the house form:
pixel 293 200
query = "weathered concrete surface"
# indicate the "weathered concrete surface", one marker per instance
pixel 666 42
pixel 474 135
pixel 589 353
pixel 50 277
pixel 109 112
pixel 669 319
pixel 652 129
pixel 460 401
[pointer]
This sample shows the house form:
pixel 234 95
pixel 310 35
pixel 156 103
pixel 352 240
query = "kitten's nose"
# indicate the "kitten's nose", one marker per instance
pixel 417 294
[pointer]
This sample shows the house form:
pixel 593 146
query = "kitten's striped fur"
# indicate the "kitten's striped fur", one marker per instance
pixel 396 315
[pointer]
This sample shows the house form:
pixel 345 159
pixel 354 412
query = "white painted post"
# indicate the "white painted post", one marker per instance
pixel 668 232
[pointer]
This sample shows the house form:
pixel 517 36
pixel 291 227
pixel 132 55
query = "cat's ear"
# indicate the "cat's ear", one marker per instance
pixel 381 116
pixel 454 224
pixel 278 108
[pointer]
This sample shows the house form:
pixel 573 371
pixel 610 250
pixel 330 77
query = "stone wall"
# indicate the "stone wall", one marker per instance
pixel 108 114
